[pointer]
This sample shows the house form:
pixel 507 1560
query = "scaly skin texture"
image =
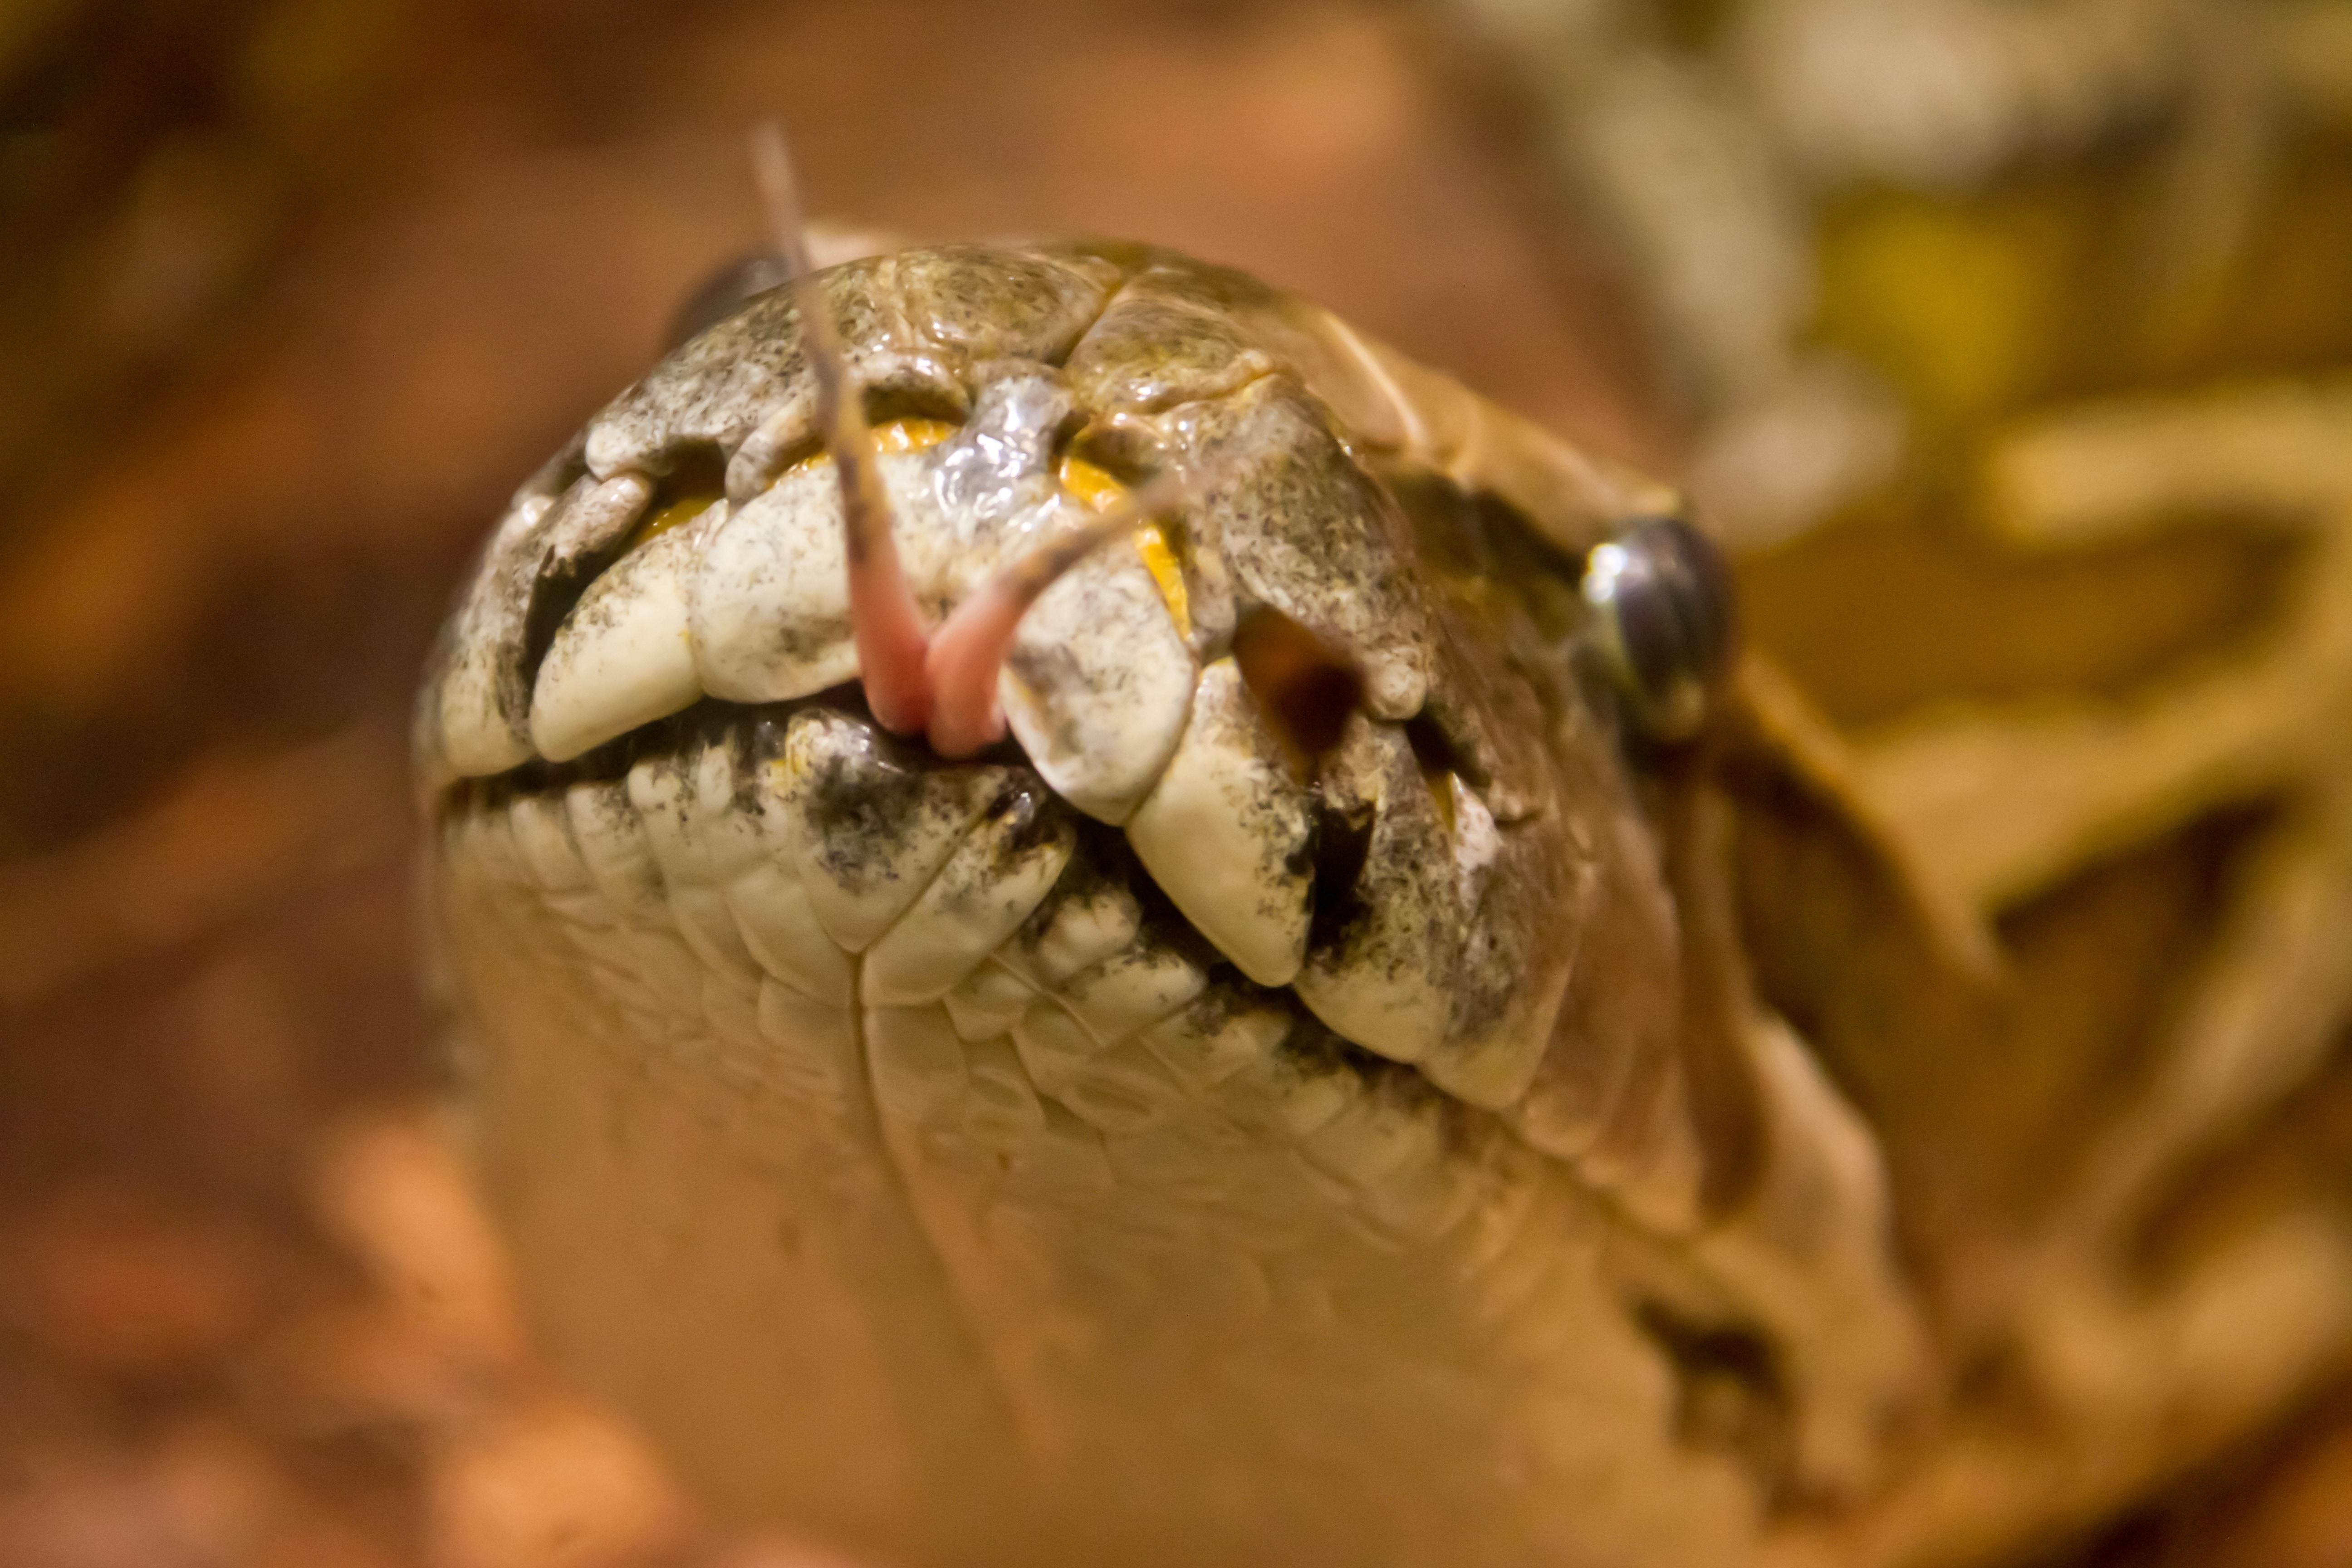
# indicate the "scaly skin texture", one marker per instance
pixel 1127 1144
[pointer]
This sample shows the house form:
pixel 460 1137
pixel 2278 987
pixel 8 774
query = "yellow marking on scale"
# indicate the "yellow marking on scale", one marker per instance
pixel 675 514
pixel 892 438
pixel 1161 562
pixel 1096 489
pixel 1098 492
pixel 1440 783
pixel 910 434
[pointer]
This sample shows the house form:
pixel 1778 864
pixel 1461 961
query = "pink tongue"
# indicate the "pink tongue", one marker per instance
pixel 944 686
pixel 962 664
pixel 893 659
pixel 914 683
pixel 882 612
pixel 883 617
pixel 970 648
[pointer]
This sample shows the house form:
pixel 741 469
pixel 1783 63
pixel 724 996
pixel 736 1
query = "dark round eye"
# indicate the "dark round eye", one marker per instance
pixel 722 293
pixel 1663 622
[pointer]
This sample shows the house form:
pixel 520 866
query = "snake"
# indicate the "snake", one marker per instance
pixel 1315 1075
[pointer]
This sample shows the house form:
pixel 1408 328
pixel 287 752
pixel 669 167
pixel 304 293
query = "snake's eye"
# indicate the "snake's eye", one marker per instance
pixel 722 293
pixel 1661 602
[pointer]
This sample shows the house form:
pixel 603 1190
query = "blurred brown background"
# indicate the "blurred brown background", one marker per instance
pixel 291 293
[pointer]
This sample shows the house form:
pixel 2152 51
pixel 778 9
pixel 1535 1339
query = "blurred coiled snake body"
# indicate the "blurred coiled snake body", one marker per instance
pixel 1231 1118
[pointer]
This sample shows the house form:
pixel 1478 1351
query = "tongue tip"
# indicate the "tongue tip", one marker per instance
pixel 900 709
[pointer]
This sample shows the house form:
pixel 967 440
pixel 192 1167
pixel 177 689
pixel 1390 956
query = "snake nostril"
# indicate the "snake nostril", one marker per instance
pixel 1306 689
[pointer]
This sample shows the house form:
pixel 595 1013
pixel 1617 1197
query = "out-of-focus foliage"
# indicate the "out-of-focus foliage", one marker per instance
pixel 160 159
pixel 156 156
pixel 1868 229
